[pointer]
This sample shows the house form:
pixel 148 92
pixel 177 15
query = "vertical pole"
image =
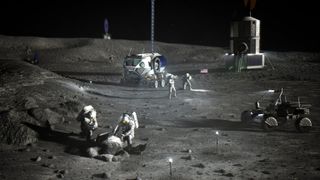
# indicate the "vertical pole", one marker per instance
pixel 152 25
pixel 217 141
pixel 170 167
pixel 217 144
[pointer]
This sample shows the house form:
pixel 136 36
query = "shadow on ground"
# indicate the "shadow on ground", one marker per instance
pixel 226 125
pixel 69 140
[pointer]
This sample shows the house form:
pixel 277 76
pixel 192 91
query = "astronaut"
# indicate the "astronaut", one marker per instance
pixel 172 88
pixel 88 119
pixel 187 81
pixel 126 127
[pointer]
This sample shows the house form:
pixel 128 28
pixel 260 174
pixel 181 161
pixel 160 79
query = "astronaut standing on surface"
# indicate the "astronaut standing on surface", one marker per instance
pixel 88 119
pixel 126 127
pixel 187 81
pixel 172 88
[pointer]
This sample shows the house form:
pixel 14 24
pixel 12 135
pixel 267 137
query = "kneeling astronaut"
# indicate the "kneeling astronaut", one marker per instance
pixel 126 127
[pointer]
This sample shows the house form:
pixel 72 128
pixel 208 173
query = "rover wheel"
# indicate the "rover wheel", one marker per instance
pixel 163 83
pixel 122 81
pixel 303 124
pixel 156 84
pixel 269 123
pixel 245 117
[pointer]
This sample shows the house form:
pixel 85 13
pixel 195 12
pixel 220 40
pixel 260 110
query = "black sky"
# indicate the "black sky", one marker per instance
pixel 285 25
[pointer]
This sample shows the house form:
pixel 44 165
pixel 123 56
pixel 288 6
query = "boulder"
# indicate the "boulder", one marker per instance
pixel 12 131
pixel 110 144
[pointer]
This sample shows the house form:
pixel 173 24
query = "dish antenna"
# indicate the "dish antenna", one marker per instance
pixel 106 29
pixel 106 25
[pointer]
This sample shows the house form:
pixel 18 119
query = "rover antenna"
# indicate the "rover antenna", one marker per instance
pixel 252 4
pixel 152 25
pixel 130 52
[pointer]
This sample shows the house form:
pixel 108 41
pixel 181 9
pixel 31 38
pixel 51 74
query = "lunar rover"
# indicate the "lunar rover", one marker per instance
pixel 147 69
pixel 279 113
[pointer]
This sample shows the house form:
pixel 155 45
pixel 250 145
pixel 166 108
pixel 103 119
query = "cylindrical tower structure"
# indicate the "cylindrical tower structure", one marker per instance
pixel 245 31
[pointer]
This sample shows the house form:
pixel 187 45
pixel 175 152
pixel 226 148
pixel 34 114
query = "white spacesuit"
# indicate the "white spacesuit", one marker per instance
pixel 126 127
pixel 172 88
pixel 187 81
pixel 88 119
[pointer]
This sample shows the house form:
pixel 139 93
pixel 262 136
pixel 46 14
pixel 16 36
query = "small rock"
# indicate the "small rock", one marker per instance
pixel 92 152
pixel 24 149
pixel 60 176
pixel 49 166
pixel 318 169
pixel 108 126
pixel 46 150
pixel 52 157
pixel 264 160
pixel 187 157
pixel 106 175
pixel 30 145
pixel 220 171
pixel 105 157
pixel 37 159
pixel 145 139
pixel 224 134
pixel 228 175
pixel 265 172
pixel 64 171
pixel 199 173
pixel 200 165
pixel 238 165
pixel 124 154
pixel 115 159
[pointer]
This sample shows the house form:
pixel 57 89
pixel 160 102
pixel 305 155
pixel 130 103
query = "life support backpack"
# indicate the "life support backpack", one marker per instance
pixel 135 119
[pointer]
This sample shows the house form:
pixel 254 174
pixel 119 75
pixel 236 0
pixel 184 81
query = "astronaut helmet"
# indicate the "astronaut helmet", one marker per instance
pixel 88 109
pixel 125 118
